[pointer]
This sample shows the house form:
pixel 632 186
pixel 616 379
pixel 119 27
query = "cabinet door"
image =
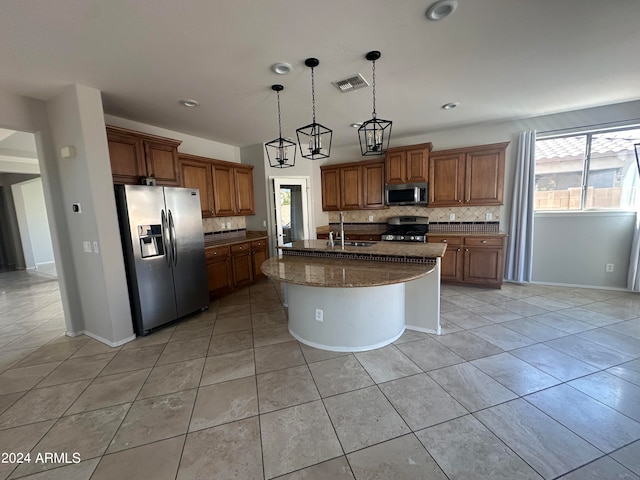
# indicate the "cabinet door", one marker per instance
pixel 224 195
pixel 485 177
pixel 373 185
pixel 243 177
pixel 127 158
pixel 451 264
pixel 395 167
pixel 351 188
pixel 330 178
pixel 219 278
pixel 242 265
pixel 197 174
pixel 446 180
pixel 162 163
pixel 260 252
pixel 483 265
pixel 417 165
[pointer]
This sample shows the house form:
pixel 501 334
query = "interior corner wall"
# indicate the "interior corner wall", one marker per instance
pixel 77 119
pixel 30 115
pixel 254 155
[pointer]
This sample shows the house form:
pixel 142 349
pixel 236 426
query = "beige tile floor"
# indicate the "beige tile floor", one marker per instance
pixel 526 382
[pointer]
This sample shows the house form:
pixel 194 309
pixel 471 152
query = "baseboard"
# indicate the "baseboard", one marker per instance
pixel 577 285
pixel 100 339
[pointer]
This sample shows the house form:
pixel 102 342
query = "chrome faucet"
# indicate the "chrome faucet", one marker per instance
pixel 331 244
pixel 342 230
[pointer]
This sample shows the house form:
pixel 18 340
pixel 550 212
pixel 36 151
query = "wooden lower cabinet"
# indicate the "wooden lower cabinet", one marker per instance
pixel 219 276
pixel 234 266
pixel 472 260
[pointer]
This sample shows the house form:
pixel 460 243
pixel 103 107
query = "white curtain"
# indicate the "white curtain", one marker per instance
pixel 633 279
pixel 519 261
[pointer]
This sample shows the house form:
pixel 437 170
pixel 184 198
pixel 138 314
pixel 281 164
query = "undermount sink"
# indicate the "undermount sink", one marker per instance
pixel 353 244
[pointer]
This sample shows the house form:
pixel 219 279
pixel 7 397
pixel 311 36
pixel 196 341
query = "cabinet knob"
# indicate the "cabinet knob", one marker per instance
pixel 459 201
pixel 215 252
pixel 444 241
pixel 458 250
pixel 483 241
pixel 466 249
pixel 240 248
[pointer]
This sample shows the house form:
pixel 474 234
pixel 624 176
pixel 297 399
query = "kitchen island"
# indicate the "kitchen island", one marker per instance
pixel 358 298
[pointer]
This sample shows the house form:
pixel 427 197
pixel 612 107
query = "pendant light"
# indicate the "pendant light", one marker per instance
pixel 374 134
pixel 314 139
pixel 281 152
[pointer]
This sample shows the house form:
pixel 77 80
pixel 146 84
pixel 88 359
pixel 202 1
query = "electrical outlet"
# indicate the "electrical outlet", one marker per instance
pixel 452 217
pixel 228 225
pixel 319 314
pixel 95 247
pixel 488 216
pixel 264 223
pixel 371 218
pixel 608 267
pixel 87 246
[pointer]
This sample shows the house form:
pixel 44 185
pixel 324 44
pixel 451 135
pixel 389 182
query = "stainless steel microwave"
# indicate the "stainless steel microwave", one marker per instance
pixel 406 194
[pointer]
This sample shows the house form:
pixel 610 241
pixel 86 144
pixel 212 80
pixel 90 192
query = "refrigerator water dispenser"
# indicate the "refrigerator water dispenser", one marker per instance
pixel 150 237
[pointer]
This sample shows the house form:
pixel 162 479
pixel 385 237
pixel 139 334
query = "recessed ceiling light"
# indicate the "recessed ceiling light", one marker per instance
pixel 441 9
pixel 450 106
pixel 281 68
pixel 356 125
pixel 190 103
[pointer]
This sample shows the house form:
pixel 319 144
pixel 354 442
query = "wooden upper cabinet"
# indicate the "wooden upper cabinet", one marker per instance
pixel 243 178
pixel 136 155
pixel 446 179
pixel 373 185
pixel 232 189
pixel 485 176
pixel 407 164
pixel 467 176
pixel 224 195
pixel 195 172
pixel 330 178
pixel 353 186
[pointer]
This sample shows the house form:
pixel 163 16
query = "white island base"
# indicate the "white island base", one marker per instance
pixel 363 318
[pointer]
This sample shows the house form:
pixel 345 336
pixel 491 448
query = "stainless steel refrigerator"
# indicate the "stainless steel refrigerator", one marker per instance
pixel 163 244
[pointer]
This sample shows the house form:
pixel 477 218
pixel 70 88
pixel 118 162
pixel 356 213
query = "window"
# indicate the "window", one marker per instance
pixel 591 171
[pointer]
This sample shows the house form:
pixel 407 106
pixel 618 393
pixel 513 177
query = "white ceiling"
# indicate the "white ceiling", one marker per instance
pixel 501 59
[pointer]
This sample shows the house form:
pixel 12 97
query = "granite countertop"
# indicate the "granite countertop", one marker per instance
pixel 394 249
pixel 219 240
pixel 334 273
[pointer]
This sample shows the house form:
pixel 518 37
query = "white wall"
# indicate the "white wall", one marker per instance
pixel 33 223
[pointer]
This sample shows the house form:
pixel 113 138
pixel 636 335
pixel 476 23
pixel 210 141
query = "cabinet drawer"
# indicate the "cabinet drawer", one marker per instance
pixel 444 239
pixel 371 238
pixel 258 244
pixel 484 241
pixel 240 247
pixel 216 252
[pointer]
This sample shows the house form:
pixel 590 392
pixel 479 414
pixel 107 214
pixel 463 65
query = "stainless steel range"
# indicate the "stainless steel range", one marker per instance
pixel 406 229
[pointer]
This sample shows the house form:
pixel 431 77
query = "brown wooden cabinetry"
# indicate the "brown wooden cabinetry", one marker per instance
pixel 353 186
pixel 407 164
pixel 259 252
pixel 195 172
pixel 219 276
pixel 467 176
pixel 232 189
pixel 136 155
pixel 241 264
pixel 226 188
pixel 472 259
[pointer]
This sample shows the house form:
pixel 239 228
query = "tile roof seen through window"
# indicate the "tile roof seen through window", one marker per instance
pixel 601 143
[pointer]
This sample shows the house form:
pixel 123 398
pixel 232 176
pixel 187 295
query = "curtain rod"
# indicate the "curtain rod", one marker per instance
pixel 621 123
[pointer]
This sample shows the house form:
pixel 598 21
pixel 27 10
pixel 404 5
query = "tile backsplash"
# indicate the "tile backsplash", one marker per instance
pixel 462 214
pixel 221 224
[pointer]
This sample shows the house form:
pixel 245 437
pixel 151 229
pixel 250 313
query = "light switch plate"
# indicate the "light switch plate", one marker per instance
pixel 452 217
pixel 87 246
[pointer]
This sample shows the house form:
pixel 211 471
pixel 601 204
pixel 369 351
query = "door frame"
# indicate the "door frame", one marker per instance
pixel 275 183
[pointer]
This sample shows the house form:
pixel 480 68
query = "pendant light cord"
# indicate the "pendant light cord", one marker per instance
pixel 279 122
pixel 313 95
pixel 373 69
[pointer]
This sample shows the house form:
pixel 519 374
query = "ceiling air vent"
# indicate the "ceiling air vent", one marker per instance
pixel 351 83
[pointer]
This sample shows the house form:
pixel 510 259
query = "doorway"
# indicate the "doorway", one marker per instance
pixel 291 213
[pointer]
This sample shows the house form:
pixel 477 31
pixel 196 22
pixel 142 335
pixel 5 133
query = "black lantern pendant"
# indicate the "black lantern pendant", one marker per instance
pixel 314 139
pixel 281 152
pixel 374 134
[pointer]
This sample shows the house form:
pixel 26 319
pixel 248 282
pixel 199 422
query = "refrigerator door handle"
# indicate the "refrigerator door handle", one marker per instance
pixel 165 233
pixel 172 236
